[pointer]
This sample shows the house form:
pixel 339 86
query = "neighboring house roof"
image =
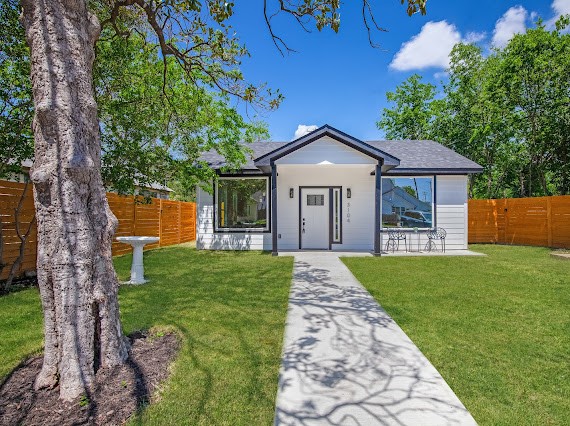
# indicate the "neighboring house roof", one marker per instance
pixel 27 164
pixel 401 156
pixel 217 161
pixel 401 198
pixel 154 185
pixel 396 196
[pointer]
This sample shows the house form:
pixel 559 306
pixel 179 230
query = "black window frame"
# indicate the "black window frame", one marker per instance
pixel 266 229
pixel 433 202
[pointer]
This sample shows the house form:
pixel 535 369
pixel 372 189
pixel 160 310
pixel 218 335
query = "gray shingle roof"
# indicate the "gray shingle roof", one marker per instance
pixel 415 156
pixel 425 156
pixel 216 161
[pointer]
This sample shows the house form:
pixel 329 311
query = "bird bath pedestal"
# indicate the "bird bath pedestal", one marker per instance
pixel 137 269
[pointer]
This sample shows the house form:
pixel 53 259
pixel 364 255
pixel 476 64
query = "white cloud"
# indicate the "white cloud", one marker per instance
pixel 475 37
pixel 303 129
pixel 430 48
pixel 441 75
pixel 561 7
pixel 512 22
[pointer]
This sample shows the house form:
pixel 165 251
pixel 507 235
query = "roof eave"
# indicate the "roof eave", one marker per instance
pixel 436 171
pixel 326 130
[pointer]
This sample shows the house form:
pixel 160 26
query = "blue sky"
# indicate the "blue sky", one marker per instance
pixel 338 79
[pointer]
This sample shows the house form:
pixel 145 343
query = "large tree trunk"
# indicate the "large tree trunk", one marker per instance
pixel 78 284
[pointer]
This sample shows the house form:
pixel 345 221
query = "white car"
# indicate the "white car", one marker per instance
pixel 416 219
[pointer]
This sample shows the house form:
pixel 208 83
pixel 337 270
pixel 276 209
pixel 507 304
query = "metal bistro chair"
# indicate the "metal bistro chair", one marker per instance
pixel 433 235
pixel 394 238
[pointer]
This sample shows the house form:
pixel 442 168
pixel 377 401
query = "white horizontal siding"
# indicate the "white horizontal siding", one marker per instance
pixel 451 207
pixel 357 230
pixel 328 151
pixel 207 239
pixel 450 214
pixel 234 241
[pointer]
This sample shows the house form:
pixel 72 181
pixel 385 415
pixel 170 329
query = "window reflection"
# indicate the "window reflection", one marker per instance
pixel 407 202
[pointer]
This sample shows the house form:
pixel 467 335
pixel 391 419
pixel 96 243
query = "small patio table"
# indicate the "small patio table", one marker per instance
pixel 417 233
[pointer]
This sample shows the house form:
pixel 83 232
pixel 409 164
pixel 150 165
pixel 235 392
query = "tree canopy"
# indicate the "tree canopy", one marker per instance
pixel 154 121
pixel 161 105
pixel 154 130
pixel 16 107
pixel 508 110
pixel 413 112
pixel 77 281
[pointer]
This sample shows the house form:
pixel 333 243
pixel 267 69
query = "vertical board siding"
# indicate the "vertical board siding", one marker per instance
pixel 538 221
pixel 173 222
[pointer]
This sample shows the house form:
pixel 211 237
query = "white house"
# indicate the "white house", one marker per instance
pixel 330 191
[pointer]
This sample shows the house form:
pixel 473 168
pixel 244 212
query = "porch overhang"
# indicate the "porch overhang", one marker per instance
pixel 387 161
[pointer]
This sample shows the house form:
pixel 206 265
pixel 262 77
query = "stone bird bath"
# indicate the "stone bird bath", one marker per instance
pixel 137 268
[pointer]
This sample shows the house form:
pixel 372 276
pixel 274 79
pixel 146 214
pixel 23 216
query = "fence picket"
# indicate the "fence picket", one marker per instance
pixel 537 221
pixel 134 219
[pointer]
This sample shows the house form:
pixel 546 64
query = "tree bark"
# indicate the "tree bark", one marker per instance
pixel 77 281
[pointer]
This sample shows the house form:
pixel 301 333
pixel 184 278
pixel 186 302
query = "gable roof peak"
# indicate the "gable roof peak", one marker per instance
pixel 327 130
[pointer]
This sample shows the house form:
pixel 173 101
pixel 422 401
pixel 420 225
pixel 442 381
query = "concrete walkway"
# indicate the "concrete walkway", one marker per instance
pixel 346 362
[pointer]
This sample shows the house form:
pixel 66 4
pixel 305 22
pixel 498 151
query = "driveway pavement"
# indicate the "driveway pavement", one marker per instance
pixel 346 362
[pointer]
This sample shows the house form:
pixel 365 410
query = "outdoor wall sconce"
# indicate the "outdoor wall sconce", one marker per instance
pixel 291 193
pixel 348 193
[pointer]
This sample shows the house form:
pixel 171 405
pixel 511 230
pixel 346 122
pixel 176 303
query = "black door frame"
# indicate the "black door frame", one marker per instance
pixel 331 212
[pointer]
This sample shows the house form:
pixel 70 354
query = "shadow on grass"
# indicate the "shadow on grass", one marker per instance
pixel 230 308
pixel 349 363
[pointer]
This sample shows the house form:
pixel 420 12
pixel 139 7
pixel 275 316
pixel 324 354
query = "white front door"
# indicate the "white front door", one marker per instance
pixel 315 218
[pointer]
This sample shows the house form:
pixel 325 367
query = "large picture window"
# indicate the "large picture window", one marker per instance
pixel 241 204
pixel 407 202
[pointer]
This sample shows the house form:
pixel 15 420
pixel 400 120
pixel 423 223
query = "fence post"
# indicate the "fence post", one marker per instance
pixel 134 225
pixel 495 206
pixel 179 204
pixel 159 222
pixel 507 239
pixel 549 219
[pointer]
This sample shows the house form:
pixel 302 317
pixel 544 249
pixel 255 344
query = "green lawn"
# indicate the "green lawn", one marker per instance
pixel 496 327
pixel 230 309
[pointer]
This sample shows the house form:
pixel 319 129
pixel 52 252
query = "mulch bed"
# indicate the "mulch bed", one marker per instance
pixel 19 284
pixel 118 394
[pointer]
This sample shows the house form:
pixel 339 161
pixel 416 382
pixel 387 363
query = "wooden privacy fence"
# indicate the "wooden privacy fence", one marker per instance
pixel 539 221
pixel 173 222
